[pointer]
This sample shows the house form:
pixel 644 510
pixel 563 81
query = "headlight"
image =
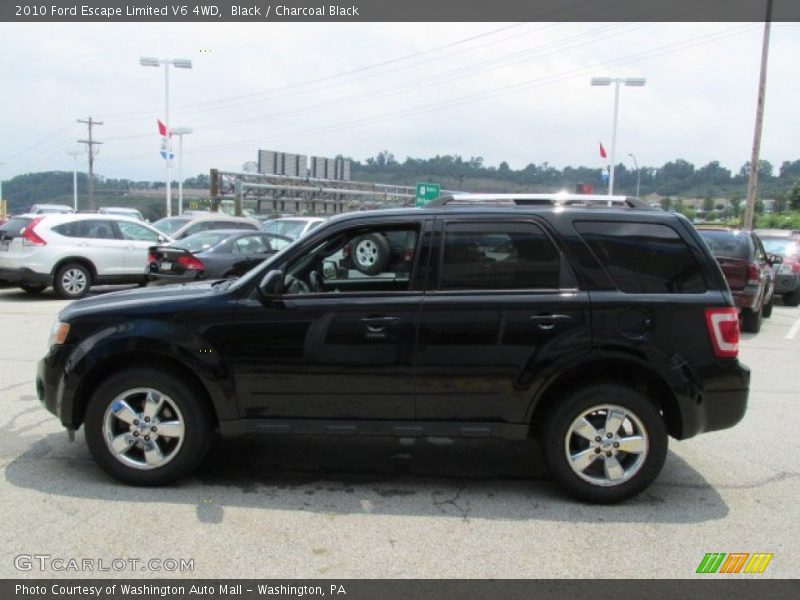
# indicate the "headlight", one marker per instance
pixel 58 334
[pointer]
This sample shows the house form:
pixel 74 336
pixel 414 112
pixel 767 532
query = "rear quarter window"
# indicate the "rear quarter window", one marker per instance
pixel 643 258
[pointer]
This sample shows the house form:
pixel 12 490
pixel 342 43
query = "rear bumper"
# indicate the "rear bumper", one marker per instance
pixel 24 275
pixel 786 283
pixel 163 279
pixel 721 403
pixel 748 297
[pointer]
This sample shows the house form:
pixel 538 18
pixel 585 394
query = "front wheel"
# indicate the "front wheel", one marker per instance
pixel 147 427
pixel 751 320
pixel 792 298
pixel 605 443
pixel 766 310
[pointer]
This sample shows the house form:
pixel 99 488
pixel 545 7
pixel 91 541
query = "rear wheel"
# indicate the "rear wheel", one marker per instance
pixel 751 320
pixel 33 288
pixel 72 281
pixel 605 443
pixel 147 427
pixel 792 298
pixel 766 310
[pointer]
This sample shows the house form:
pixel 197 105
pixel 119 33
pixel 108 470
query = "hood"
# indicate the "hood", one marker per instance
pixel 148 298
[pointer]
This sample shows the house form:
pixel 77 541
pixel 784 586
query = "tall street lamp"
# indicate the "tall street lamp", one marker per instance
pixel 180 132
pixel 178 63
pixel 74 154
pixel 638 174
pixel 629 81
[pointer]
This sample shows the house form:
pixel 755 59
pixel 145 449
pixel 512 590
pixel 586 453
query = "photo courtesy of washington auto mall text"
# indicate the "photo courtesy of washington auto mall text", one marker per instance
pixel 399 299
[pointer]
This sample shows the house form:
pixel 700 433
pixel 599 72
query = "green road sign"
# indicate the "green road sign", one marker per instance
pixel 427 192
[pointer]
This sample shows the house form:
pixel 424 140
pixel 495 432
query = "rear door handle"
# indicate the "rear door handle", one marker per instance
pixel 376 324
pixel 546 322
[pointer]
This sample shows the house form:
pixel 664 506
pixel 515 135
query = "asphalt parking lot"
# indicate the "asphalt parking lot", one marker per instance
pixel 318 508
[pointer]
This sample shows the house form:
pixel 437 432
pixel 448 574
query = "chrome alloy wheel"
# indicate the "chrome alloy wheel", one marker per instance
pixel 367 253
pixel 606 445
pixel 143 428
pixel 74 281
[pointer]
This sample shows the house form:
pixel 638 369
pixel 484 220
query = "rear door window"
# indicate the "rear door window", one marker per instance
pixel 643 258
pixel 97 229
pixel 498 256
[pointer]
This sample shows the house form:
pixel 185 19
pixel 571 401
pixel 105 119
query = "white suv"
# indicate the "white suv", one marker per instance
pixel 74 252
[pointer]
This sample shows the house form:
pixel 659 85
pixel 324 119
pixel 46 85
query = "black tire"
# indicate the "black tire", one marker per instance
pixel 766 310
pixel 33 288
pixel 751 320
pixel 72 281
pixel 639 468
pixel 792 298
pixel 183 454
pixel 370 253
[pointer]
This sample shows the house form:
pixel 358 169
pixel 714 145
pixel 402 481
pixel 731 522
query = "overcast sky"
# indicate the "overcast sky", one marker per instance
pixel 513 92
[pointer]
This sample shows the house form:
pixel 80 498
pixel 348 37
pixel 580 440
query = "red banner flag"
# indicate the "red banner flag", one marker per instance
pixel 603 151
pixel 162 129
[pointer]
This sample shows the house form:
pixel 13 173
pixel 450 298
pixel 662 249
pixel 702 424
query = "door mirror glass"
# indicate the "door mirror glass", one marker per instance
pixel 271 285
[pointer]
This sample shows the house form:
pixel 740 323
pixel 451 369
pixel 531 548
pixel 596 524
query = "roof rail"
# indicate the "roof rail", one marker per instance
pixel 557 199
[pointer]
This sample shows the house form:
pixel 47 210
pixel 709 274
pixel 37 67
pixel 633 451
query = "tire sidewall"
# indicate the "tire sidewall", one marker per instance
pixel 382 260
pixel 59 288
pixel 578 401
pixel 197 426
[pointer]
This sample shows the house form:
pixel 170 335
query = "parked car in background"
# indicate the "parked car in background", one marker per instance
pixel 787 272
pixel 182 226
pixel 73 252
pixel 292 227
pixel 212 255
pixel 122 211
pixel 747 269
pixel 43 209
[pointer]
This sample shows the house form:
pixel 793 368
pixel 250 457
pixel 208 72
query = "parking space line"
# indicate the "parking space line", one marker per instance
pixel 794 329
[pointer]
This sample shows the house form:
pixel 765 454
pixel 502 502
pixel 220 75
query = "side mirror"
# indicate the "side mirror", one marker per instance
pixel 329 269
pixel 271 286
pixel 774 259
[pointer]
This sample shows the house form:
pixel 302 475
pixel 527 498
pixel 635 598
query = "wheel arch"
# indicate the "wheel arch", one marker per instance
pixel 611 370
pixel 74 259
pixel 117 363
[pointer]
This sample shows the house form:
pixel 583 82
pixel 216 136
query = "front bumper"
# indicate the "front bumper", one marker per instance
pixel 51 385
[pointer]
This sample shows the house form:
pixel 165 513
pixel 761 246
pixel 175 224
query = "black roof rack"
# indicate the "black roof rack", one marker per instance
pixel 558 199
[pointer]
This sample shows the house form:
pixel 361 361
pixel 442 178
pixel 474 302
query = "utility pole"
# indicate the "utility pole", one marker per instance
pixel 74 154
pixel 90 144
pixel 752 184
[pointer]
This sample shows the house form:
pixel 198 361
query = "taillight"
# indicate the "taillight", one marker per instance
pixel 29 236
pixel 192 263
pixel 152 258
pixel 795 264
pixel 753 274
pixel 408 254
pixel 723 329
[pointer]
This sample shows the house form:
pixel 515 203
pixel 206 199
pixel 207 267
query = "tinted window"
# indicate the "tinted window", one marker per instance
pixel 202 241
pixel 782 246
pixel 644 258
pixel 134 231
pixel 97 229
pixel 727 244
pixel 291 228
pixel 502 256
pixel 251 244
pixel 245 225
pixel 13 227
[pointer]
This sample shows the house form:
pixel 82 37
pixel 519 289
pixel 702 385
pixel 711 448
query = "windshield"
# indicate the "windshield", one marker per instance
pixel 291 228
pixel 781 246
pixel 202 241
pixel 170 225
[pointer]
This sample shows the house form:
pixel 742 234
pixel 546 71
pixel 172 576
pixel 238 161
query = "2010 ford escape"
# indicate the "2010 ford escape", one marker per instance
pixel 594 323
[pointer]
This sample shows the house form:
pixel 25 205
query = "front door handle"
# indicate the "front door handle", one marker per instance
pixel 377 324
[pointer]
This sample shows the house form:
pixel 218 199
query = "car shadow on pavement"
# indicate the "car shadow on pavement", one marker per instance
pixel 465 479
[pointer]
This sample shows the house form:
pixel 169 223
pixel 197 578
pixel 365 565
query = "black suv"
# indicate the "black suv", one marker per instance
pixel 601 328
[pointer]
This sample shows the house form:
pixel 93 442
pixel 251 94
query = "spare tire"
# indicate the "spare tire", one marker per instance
pixel 370 253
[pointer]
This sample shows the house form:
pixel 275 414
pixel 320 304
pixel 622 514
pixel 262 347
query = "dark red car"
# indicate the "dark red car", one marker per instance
pixel 748 270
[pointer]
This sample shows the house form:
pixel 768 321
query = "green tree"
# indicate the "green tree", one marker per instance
pixel 794 196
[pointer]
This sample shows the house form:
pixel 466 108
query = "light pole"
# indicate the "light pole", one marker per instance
pixel 629 81
pixel 180 132
pixel 74 154
pixel 638 174
pixel 178 63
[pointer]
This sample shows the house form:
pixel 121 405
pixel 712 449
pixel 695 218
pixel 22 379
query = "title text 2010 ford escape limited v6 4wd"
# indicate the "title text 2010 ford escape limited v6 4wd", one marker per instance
pixel 594 323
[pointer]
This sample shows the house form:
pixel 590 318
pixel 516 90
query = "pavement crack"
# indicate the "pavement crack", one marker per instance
pixel 15 385
pixel 463 508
